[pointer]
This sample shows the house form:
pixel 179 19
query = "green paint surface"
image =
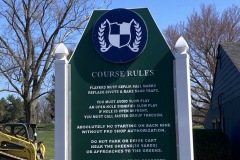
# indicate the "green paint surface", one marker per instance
pixel 129 114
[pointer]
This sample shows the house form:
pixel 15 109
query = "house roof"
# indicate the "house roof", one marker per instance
pixel 232 49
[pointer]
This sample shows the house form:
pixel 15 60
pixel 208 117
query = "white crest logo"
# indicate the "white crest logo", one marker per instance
pixel 119 35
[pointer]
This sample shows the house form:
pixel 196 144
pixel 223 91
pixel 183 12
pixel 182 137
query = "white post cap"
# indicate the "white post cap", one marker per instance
pixel 61 51
pixel 181 46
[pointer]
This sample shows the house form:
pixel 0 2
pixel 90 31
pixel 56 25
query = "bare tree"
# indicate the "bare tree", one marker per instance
pixel 29 30
pixel 204 31
pixel 44 110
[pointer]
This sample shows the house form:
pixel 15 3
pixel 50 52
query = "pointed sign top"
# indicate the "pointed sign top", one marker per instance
pixel 181 46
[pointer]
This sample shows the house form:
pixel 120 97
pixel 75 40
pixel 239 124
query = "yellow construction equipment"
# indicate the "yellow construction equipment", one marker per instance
pixel 17 144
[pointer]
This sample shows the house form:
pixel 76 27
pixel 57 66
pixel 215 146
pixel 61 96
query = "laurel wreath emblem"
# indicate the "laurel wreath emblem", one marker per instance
pixel 101 39
pixel 103 44
pixel 138 37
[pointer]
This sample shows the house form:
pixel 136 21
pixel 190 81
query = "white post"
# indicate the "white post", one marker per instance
pixel 183 102
pixel 61 102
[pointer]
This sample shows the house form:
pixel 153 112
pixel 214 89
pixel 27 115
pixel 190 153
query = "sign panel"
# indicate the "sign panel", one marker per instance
pixel 122 90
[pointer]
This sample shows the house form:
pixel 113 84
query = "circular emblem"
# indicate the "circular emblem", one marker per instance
pixel 120 35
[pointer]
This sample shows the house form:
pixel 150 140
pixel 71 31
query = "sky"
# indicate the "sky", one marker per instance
pixel 170 12
pixel 167 12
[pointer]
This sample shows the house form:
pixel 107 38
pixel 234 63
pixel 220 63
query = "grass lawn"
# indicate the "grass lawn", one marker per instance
pixel 46 135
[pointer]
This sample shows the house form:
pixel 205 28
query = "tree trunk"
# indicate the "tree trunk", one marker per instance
pixel 31 112
pixel 27 111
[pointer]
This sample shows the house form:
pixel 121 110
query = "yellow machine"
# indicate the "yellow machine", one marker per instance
pixel 15 143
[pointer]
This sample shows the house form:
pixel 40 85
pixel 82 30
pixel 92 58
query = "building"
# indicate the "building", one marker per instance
pixel 224 111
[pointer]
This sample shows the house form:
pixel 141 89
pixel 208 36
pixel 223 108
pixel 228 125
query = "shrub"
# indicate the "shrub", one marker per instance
pixel 210 145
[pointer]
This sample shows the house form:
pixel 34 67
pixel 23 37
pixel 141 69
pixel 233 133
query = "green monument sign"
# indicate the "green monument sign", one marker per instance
pixel 122 96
